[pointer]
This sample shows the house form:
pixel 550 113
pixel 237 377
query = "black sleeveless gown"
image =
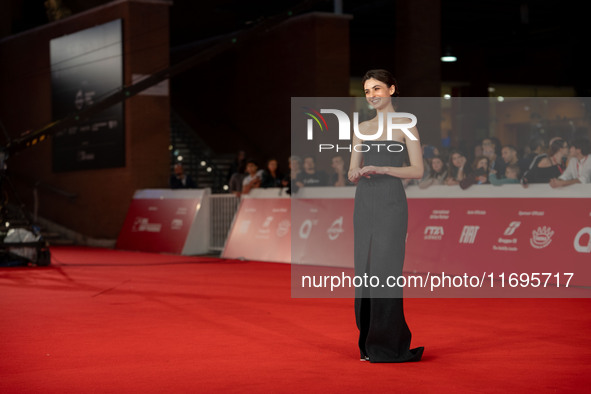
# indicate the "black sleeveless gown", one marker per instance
pixel 380 224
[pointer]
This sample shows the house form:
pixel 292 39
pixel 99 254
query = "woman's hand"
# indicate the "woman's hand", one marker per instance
pixel 451 182
pixel 367 171
pixel 462 162
pixel 354 175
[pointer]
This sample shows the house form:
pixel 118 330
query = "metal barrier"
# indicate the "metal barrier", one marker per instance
pixel 223 207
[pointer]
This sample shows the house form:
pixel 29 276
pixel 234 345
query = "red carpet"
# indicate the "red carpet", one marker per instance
pixel 109 321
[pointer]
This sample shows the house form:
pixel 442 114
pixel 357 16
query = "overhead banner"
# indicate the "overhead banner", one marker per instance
pixel 85 67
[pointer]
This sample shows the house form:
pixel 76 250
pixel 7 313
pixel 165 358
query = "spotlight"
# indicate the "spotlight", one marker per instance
pixel 448 57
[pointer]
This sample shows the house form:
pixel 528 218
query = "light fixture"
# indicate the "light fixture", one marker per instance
pixel 448 57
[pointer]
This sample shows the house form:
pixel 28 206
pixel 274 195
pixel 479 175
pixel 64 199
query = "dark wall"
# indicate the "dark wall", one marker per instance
pixel 25 104
pixel 241 99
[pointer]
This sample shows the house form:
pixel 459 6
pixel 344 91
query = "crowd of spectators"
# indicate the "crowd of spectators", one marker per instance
pixel 559 163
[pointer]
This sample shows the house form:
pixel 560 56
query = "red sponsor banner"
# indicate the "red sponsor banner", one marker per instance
pixel 474 236
pixel 322 232
pixel 159 221
pixel 501 236
pixel 261 231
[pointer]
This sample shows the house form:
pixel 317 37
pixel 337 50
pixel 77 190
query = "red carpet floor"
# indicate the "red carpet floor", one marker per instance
pixel 110 321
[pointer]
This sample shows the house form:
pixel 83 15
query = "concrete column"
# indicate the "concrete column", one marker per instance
pixel 417 59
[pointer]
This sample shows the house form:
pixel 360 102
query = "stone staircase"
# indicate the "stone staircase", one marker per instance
pixel 208 169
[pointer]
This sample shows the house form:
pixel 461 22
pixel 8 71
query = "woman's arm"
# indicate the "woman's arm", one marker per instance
pixel 356 162
pixel 414 170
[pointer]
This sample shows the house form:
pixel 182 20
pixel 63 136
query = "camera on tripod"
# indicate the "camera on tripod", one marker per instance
pixel 21 242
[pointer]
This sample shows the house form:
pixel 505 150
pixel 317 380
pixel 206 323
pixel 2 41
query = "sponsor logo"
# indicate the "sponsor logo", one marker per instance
pixel 468 235
pixel 577 243
pixel 83 98
pixel 335 229
pixel 283 228
pixel 176 224
pixel 510 230
pixel 244 225
pixel 506 244
pixel 541 237
pixel 265 226
pixel 433 232
pixel 143 225
pixel 82 155
pixel 306 228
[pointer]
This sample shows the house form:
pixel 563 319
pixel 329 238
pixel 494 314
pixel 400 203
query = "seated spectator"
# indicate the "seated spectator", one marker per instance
pixel 479 173
pixel 578 169
pixel 253 178
pixel 429 152
pixel 239 162
pixel 295 165
pixel 271 176
pixel 457 162
pixel 339 176
pixel 311 177
pixel 549 166
pixel 477 150
pixel 437 173
pixel 511 176
pixel 180 180
pixel 491 148
pixel 509 155
pixel 537 148
pixel 235 183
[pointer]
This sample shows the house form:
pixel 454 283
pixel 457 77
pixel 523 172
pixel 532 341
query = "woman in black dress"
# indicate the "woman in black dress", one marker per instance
pixel 380 224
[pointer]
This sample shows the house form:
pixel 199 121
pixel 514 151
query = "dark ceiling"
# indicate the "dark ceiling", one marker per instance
pixel 508 41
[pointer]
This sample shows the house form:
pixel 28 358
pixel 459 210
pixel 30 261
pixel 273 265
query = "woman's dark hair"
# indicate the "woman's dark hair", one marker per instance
pixel 535 143
pixel 443 165
pixel 583 144
pixel 453 170
pixel 497 143
pixel 555 146
pixel 252 161
pixel 383 76
pixel 477 160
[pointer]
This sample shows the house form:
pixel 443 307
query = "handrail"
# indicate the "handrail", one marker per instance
pixel 55 190
pixel 46 186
